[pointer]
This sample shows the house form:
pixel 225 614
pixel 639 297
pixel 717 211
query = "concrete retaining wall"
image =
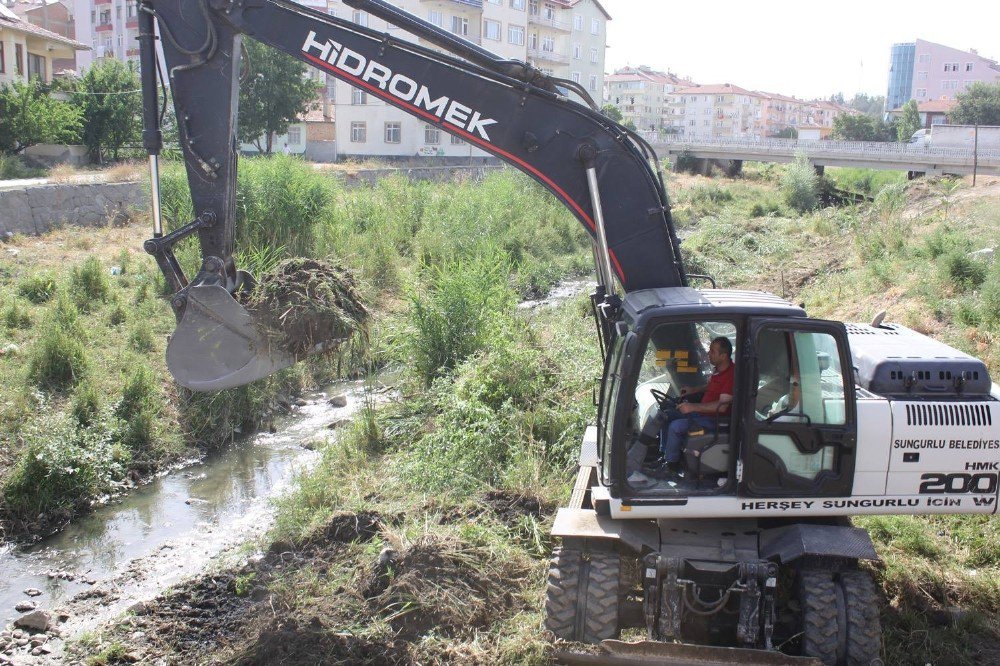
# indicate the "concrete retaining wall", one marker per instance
pixel 40 208
pixel 37 209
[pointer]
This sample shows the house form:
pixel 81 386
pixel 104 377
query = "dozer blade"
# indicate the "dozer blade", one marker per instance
pixel 648 653
pixel 217 344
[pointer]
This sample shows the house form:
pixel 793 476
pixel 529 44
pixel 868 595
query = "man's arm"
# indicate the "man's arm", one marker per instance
pixel 719 406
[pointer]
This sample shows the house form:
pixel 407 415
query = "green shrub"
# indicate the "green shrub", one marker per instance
pixel 12 166
pixel 88 284
pixel 58 358
pixel 117 314
pixel 459 310
pixel 140 336
pixel 137 410
pixel 686 163
pixel 15 315
pixel 990 297
pixel 800 185
pixel 766 208
pixel 943 240
pixel 38 288
pixel 86 404
pixel 61 466
pixel 961 270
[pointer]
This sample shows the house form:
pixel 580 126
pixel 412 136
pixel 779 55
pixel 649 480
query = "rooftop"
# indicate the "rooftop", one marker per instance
pixel 10 21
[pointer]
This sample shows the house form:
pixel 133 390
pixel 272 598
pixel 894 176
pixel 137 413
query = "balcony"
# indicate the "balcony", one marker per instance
pixel 132 52
pixel 474 4
pixel 103 27
pixel 132 23
pixel 548 56
pixel 554 23
pixel 102 2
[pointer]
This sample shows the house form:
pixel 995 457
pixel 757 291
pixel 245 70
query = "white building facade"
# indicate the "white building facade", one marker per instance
pixel 564 38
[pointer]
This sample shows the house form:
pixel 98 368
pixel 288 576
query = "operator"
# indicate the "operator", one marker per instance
pixel 715 401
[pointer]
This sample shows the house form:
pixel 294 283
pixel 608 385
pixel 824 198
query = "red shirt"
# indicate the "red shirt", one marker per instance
pixel 719 384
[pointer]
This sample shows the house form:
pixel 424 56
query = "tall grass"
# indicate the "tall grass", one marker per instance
pixel 800 185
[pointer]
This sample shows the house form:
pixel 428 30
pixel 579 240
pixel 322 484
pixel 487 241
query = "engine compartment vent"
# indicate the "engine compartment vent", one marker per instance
pixel 945 414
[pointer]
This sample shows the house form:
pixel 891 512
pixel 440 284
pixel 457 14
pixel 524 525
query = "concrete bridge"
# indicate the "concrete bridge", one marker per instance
pixel 863 154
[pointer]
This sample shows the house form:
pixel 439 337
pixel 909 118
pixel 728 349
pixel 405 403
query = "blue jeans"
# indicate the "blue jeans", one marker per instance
pixel 674 432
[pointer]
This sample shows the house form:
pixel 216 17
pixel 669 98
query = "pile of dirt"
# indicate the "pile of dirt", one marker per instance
pixel 510 507
pixel 288 641
pixel 303 303
pixel 437 587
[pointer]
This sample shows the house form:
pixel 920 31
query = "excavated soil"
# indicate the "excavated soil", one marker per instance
pixel 256 614
pixel 306 302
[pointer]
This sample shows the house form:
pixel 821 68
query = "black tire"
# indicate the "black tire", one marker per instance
pixel 582 596
pixel 864 631
pixel 821 604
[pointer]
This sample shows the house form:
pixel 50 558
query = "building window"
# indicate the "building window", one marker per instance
pixel 460 26
pixel 3 61
pixel 393 132
pixel 456 140
pixel 515 35
pixel 491 30
pixel 19 59
pixel 578 22
pixel 359 132
pixel 435 18
pixel 924 58
pixel 533 41
pixel 533 7
pixel 921 76
pixel 361 18
pixel 36 66
pixel 577 51
pixel 514 4
pixel 549 44
pixel 576 77
pixel 432 135
pixel 593 56
pixel 593 83
pixel 130 10
pixel 294 136
pixel 968 66
pixel 549 12
pixel 921 92
pixel 358 97
pixel 495 2
pixel 595 26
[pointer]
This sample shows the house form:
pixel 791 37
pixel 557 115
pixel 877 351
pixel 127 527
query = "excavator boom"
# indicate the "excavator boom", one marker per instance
pixel 507 108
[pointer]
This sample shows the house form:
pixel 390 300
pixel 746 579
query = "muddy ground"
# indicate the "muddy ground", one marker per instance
pixel 351 593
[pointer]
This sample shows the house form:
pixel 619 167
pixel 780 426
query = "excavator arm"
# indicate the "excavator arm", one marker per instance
pixel 598 169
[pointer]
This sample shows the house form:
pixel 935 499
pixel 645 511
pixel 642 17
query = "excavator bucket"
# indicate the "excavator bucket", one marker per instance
pixel 218 345
pixel 650 653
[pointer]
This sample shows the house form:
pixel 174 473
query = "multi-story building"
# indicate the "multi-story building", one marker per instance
pixel 52 15
pixel 110 27
pixel 721 110
pixel 564 38
pixel 934 71
pixel 27 50
pixel 642 95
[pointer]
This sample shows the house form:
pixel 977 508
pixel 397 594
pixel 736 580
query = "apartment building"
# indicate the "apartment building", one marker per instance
pixel 27 50
pixel 927 71
pixel 110 27
pixel 642 94
pixel 564 38
pixel 729 111
pixel 718 110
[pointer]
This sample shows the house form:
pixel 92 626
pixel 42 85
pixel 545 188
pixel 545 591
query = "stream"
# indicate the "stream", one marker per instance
pixel 168 530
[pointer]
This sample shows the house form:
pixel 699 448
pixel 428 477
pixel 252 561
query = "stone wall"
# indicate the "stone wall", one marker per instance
pixel 40 208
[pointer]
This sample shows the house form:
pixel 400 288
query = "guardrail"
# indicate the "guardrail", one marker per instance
pixel 551 56
pixel 937 158
pixel 538 19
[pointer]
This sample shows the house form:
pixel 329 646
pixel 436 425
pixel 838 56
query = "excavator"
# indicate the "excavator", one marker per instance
pixel 746 554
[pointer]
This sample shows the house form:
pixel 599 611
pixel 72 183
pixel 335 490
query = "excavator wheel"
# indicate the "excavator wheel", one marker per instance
pixel 582 595
pixel 864 631
pixel 840 624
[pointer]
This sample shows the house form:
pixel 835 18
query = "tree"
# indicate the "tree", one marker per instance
pixel 276 94
pixel 108 94
pixel 787 133
pixel 28 115
pixel 862 127
pixel 613 112
pixel 873 105
pixel 909 123
pixel 979 105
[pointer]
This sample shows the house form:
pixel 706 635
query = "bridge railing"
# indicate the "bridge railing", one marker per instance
pixel 874 149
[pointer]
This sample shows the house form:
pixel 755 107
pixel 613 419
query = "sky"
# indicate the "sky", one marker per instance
pixel 804 49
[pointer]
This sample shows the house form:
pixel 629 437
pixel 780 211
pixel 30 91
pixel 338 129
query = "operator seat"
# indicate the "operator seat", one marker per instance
pixel 707 452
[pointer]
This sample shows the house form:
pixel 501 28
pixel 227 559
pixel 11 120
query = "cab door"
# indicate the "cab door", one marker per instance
pixel 799 419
